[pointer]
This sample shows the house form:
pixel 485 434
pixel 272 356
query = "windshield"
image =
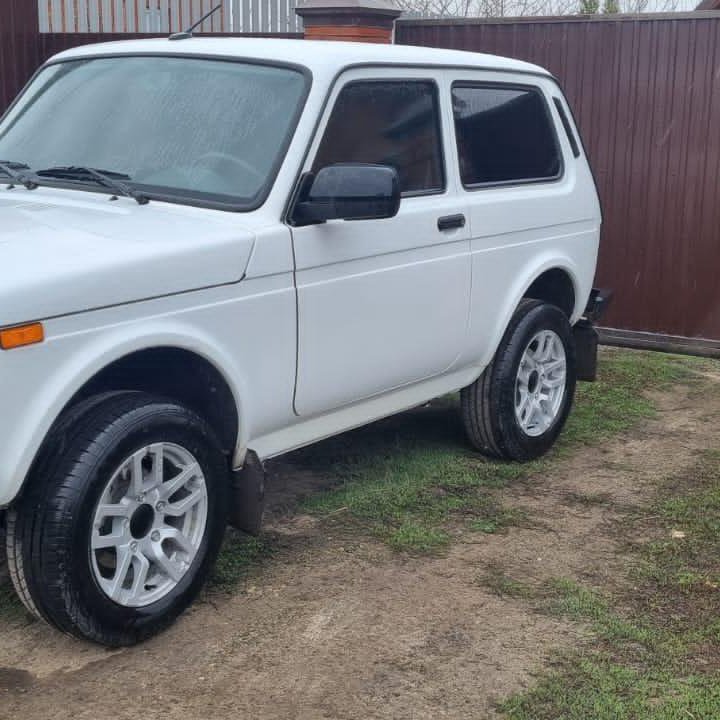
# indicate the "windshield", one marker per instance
pixel 183 129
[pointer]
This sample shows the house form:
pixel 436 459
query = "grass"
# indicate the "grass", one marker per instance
pixel 655 652
pixel 596 688
pixel 679 579
pixel 619 400
pixel 239 555
pixel 567 598
pixel 413 481
pixel 11 608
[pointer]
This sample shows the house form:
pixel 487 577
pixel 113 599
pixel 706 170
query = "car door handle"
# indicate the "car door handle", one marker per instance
pixel 450 222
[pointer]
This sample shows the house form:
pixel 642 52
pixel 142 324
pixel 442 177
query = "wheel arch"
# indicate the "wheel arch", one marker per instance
pixel 555 286
pixel 537 279
pixel 164 370
pixel 107 363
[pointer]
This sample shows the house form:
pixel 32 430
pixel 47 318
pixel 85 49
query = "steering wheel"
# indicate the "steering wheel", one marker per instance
pixel 218 159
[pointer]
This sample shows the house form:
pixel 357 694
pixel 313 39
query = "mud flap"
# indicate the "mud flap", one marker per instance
pixel 586 336
pixel 248 496
pixel 586 344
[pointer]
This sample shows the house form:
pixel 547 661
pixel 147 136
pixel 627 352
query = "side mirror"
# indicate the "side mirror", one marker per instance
pixel 348 192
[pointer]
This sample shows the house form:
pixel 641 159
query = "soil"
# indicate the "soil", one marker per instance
pixel 337 626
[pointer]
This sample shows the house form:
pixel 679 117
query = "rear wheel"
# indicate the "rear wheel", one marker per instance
pixel 122 520
pixel 517 408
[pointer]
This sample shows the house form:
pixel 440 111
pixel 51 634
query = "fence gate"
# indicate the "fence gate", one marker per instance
pixel 166 16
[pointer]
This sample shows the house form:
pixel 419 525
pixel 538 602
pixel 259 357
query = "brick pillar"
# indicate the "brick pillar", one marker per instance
pixel 354 20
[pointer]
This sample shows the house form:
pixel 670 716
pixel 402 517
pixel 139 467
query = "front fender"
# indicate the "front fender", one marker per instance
pixel 37 382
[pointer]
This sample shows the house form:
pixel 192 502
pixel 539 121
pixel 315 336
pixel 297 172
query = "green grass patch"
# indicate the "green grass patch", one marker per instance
pixel 413 537
pixel 412 478
pixel 409 497
pixel 239 555
pixel 679 582
pixel 570 599
pixel 658 658
pixel 596 688
pixel 618 400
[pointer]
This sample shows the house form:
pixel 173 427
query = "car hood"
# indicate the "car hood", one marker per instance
pixel 63 252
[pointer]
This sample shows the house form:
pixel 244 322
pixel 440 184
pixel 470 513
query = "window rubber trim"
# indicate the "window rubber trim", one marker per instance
pixel 566 124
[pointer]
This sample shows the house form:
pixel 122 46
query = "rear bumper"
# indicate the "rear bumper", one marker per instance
pixel 597 304
pixel 586 336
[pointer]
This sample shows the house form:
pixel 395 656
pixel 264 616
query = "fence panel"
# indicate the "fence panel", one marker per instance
pixel 166 16
pixel 646 92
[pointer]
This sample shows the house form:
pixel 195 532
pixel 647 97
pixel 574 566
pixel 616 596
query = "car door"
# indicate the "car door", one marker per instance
pixel 526 195
pixel 382 303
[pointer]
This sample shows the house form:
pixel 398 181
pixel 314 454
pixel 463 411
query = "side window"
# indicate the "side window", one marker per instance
pixel 393 123
pixel 504 135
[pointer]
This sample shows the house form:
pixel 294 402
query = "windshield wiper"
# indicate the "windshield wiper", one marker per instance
pixel 107 178
pixel 11 168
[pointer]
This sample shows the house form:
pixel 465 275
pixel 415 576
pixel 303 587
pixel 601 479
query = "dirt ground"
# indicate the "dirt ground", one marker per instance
pixel 337 626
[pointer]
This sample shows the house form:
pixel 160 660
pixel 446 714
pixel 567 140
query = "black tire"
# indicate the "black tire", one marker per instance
pixel 48 532
pixel 488 405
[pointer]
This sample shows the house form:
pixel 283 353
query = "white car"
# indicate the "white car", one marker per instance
pixel 214 251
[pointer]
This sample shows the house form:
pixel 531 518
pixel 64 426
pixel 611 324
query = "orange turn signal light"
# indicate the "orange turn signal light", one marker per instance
pixel 21 335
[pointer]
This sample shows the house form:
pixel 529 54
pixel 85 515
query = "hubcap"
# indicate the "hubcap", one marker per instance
pixel 149 524
pixel 540 383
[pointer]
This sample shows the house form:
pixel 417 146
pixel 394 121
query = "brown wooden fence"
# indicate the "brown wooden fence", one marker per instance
pixel 646 93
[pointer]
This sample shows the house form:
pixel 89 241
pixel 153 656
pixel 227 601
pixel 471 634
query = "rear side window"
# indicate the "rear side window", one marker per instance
pixel 504 135
pixel 393 123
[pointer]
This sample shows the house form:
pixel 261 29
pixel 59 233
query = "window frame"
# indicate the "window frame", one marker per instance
pixel 439 125
pixel 574 146
pixel 495 85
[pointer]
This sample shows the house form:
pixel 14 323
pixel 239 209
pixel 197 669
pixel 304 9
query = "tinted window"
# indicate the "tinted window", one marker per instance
pixel 184 127
pixel 504 134
pixel 388 123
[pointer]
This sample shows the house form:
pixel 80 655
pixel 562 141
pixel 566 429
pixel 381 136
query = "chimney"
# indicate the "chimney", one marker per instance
pixel 353 20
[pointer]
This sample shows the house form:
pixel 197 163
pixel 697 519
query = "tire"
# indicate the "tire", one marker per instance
pixel 493 405
pixel 67 549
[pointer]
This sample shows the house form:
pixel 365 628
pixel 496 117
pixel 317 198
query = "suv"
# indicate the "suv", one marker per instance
pixel 212 256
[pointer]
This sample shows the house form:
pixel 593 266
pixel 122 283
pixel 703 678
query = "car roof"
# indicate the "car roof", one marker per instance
pixel 319 56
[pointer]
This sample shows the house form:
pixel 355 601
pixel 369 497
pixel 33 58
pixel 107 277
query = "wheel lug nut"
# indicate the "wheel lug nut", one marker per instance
pixel 160 506
pixel 155 535
pixel 133 546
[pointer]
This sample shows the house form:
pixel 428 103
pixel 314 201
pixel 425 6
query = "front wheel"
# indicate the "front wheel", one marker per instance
pixel 517 408
pixel 122 520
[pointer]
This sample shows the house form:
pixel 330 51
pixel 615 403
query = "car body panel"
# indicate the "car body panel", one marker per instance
pixel 64 254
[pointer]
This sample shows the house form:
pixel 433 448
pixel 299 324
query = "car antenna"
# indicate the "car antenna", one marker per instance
pixel 187 34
